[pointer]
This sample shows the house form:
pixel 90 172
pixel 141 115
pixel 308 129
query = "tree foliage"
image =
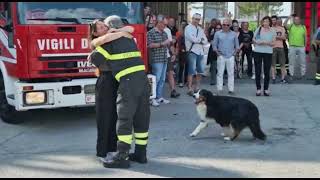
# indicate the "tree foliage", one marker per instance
pixel 251 8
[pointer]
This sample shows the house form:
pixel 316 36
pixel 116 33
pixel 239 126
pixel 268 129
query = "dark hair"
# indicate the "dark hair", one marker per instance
pixel 264 18
pixel 270 20
pixel 214 19
pixel 93 28
pixel 274 16
pixel 233 21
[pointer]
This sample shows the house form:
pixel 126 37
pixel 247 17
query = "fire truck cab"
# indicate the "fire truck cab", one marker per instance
pixel 43 53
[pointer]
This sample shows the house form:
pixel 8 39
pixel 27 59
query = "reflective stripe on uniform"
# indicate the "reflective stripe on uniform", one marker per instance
pixel 129 71
pixel 141 142
pixel 318 76
pixel 141 135
pixel 125 138
pixel 118 56
pixel 141 138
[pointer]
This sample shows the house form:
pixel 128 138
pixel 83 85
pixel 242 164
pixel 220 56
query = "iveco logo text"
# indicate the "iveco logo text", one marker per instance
pixel 86 65
pixel 60 44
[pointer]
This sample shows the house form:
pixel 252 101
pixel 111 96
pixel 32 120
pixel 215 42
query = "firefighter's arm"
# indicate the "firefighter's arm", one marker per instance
pixel 109 37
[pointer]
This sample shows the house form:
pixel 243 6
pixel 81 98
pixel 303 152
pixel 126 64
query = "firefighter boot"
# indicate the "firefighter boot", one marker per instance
pixel 118 160
pixel 139 155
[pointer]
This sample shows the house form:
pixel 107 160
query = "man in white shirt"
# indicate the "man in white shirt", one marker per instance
pixel 195 39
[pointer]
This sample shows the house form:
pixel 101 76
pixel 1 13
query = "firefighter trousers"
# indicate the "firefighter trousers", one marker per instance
pixel 106 113
pixel 133 110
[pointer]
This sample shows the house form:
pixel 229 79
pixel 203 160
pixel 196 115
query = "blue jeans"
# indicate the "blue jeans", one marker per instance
pixel 159 70
pixel 195 63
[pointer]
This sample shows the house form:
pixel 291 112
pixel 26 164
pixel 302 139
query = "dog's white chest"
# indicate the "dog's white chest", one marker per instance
pixel 202 112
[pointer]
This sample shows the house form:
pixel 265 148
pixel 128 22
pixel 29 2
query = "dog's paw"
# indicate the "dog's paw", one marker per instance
pixel 227 138
pixel 192 135
pixel 222 134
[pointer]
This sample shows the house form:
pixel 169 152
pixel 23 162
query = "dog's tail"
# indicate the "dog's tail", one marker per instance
pixel 256 130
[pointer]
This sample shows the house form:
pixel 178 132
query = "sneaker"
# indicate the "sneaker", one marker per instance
pixel 162 100
pixel 102 159
pixel 316 82
pixel 118 160
pixel 284 81
pixel 174 94
pixel 253 77
pixel 231 93
pixel 181 85
pixel 212 84
pixel 154 103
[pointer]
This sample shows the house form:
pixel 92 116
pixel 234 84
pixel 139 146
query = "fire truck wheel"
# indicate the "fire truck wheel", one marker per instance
pixel 8 113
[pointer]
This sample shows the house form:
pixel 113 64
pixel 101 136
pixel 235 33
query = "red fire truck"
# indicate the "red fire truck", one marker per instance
pixel 43 53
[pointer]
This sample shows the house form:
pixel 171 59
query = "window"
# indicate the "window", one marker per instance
pixel 77 12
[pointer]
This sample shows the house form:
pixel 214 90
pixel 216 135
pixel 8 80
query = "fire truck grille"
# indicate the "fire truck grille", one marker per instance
pixel 56 58
pixel 62 64
pixel 60 71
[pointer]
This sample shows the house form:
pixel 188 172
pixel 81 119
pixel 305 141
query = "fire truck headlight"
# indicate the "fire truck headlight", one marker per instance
pixel 35 97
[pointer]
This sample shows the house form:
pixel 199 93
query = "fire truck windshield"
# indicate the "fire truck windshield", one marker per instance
pixel 77 12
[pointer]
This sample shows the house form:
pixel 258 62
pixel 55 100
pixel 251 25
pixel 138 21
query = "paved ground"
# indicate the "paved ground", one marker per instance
pixel 61 143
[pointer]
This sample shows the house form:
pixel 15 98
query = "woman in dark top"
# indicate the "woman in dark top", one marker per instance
pixel 181 49
pixel 245 41
pixel 106 89
pixel 212 55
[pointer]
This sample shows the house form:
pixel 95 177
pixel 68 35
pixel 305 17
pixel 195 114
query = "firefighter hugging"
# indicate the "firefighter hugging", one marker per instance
pixel 122 94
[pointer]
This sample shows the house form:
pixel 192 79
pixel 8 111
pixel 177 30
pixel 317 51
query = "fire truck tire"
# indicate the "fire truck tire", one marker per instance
pixel 8 113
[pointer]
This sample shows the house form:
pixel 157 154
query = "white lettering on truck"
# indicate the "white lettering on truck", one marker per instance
pixel 62 44
pixel 55 44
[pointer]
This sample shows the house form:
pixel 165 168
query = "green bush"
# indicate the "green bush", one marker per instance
pixel 252 25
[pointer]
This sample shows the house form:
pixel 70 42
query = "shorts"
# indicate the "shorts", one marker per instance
pixel 170 65
pixel 196 64
pixel 278 54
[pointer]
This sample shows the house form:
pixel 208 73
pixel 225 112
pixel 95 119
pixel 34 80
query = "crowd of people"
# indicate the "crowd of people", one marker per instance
pixel 266 50
pixel 122 88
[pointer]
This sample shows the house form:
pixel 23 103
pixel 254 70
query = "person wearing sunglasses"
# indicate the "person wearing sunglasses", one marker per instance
pixel 195 38
pixel 226 45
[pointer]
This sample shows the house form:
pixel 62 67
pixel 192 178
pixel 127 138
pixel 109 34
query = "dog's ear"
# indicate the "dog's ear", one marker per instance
pixel 206 93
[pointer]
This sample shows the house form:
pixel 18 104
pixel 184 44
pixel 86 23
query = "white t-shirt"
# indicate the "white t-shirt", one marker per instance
pixel 168 31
